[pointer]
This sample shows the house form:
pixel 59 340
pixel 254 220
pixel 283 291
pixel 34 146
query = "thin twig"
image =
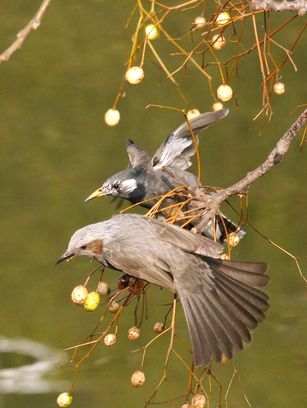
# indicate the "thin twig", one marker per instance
pixel 23 34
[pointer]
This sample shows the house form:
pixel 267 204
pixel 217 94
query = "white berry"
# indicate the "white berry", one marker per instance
pixel 113 307
pixel 134 75
pixel 112 117
pixel 64 399
pixel 217 106
pixel 158 327
pixel 151 31
pixel 223 18
pixel 279 88
pixel 218 41
pixel 198 401
pixel 134 333
pixel 192 113
pixel 138 379
pixel 103 288
pixel 199 22
pixel 110 339
pixel 224 93
pixel 79 294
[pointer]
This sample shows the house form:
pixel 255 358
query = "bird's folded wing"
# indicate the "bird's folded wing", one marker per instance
pixel 141 263
pixel 186 240
pixel 179 146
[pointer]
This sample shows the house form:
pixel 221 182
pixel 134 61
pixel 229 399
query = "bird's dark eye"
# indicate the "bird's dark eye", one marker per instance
pixel 83 247
pixel 116 185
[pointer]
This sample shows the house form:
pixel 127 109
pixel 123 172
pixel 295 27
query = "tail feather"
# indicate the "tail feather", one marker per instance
pixel 232 318
pixel 257 267
pixel 214 327
pixel 227 335
pixel 249 273
pixel 236 306
pixel 220 316
pixel 201 348
pixel 251 300
pixel 233 330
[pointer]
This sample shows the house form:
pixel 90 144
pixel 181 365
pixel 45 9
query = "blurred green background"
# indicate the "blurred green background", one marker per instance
pixel 56 149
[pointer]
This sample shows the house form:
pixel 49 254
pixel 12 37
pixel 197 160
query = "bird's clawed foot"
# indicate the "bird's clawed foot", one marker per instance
pixel 134 285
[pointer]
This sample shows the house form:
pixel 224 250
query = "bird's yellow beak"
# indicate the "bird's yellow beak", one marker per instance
pixel 96 193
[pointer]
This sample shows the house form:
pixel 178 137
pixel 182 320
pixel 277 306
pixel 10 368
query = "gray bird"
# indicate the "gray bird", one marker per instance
pixel 147 177
pixel 220 299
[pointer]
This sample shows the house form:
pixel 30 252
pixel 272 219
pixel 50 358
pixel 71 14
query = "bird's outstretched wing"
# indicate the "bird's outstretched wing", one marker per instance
pixel 179 146
pixel 136 155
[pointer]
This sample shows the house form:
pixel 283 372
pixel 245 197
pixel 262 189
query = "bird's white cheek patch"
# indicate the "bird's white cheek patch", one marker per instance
pixel 129 185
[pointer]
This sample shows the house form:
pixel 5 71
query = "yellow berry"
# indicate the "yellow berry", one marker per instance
pixel 79 294
pixel 103 288
pixel 110 339
pixel 138 379
pixel 233 239
pixel 198 401
pixel 152 32
pixel 192 113
pixel 92 301
pixel 134 75
pixel 134 333
pixel 113 307
pixel 279 88
pixel 218 41
pixel 223 18
pixel 64 399
pixel 224 93
pixel 217 106
pixel 158 327
pixel 199 22
pixel 112 117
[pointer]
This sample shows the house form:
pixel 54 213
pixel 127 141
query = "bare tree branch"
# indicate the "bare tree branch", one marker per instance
pixel 23 34
pixel 295 5
pixel 212 202
pixel 274 158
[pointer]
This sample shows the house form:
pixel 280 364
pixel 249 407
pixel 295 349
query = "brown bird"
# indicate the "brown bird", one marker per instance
pixel 221 299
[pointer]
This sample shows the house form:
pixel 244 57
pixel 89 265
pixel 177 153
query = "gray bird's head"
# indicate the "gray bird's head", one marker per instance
pixel 121 184
pixel 125 184
pixel 86 241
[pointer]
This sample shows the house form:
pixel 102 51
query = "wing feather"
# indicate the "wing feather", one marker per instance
pixel 179 147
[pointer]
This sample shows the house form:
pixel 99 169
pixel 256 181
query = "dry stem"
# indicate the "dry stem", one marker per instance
pixel 23 34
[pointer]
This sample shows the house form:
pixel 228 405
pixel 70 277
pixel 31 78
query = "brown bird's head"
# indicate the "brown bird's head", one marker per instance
pixel 85 241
